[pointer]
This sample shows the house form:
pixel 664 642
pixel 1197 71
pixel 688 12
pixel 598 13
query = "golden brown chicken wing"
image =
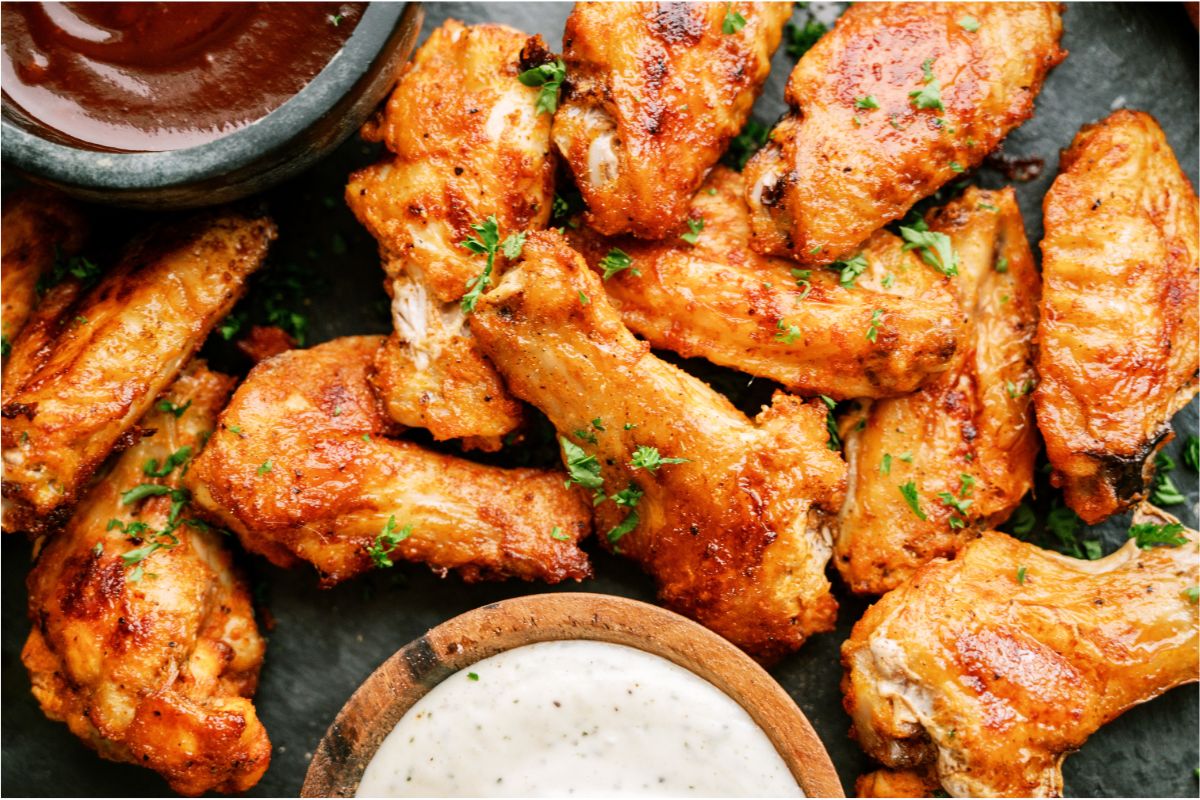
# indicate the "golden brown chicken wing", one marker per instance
pixel 997 664
pixel 144 639
pixel 885 332
pixel 654 93
pixel 301 469
pixel 1118 331
pixel 729 515
pixel 931 469
pixel 899 783
pixel 887 107
pixel 469 143
pixel 120 347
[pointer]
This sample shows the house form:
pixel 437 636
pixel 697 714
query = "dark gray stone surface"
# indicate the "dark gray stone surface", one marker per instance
pixel 326 642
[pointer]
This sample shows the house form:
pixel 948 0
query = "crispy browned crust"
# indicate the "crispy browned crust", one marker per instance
pixel 659 90
pixel 898 783
pixel 122 346
pixel 302 469
pixel 1118 332
pixel 736 536
pixel 975 420
pixel 156 672
pixel 996 665
pixel 719 300
pixel 833 173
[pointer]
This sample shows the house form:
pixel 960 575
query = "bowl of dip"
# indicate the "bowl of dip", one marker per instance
pixel 572 693
pixel 176 105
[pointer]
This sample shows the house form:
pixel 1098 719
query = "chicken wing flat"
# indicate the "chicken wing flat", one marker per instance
pixel 729 515
pixel 124 343
pixel 997 664
pixel 894 102
pixel 468 143
pixel 37 228
pixel 931 469
pixel 301 469
pixel 654 93
pixel 144 640
pixel 1118 331
pixel 810 330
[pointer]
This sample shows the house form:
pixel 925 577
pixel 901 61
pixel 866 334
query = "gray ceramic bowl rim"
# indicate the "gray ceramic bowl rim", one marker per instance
pixel 109 170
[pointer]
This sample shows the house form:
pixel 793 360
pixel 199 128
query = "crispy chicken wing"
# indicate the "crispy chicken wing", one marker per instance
pixel 654 93
pixel 722 301
pixel 123 343
pixel 899 783
pixel 144 640
pixel 1118 331
pixel 890 105
pixel 997 664
pixel 735 534
pixel 301 469
pixel 469 142
pixel 963 447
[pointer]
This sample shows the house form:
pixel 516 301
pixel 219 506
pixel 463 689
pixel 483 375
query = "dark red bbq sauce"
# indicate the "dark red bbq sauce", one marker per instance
pixel 162 76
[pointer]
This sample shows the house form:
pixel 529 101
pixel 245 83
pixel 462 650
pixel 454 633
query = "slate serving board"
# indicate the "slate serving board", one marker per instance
pixel 324 643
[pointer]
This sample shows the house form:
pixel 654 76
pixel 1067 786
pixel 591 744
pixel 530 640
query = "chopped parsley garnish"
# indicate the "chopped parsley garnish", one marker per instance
pixel 173 409
pixel 1191 453
pixel 586 436
pixel 801 39
pixel 265 467
pixel 142 491
pixel 851 268
pixel 1165 492
pixel 550 78
pixel 229 327
pixel 867 102
pixel 787 333
pixel 1023 520
pixel 956 167
pixel 885 466
pixel 835 439
pixel 909 491
pixel 1021 575
pixel 968 23
pixel 617 260
pixel 930 95
pixel 152 468
pixel 648 458
pixel 733 21
pixel 5 346
pixel 628 524
pixel 1149 535
pixel 628 497
pixel 803 280
pixel 558 535
pixel 694 228
pixel 934 248
pixel 907 458
pixel 1001 265
pixel 1063 523
pixel 582 469
pixel 472 676
pixel 76 267
pixel 486 241
pixel 1015 391
pixel 584 300
pixel 335 19
pixel 386 542
pixel 235 429
pixel 751 139
pixel 133 530
pixel 888 280
pixel 873 330
pixel 1193 594
pixel 982 206
pixel 958 504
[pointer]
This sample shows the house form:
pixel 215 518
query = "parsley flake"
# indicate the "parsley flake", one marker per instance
pixel 909 491
pixel 733 21
pixel 617 260
pixel 934 248
pixel 694 228
pixel 873 330
pixel 173 409
pixel 930 95
pixel 486 241
pixel 558 535
pixel 1149 535
pixel 386 542
pixel 851 268
pixel 867 102
pixel 968 23
pixel 153 470
pixel 550 78
pixel 801 39
pixel 648 458
pixel 1021 575
pixel 787 333
pixel 582 469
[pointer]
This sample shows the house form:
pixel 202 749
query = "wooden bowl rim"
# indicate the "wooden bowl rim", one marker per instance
pixel 409 674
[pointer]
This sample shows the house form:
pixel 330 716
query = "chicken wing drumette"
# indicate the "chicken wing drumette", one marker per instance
pixel 301 469
pixel 468 143
pixel 931 469
pixel 654 93
pixel 144 640
pixel 883 332
pixel 992 667
pixel 894 102
pixel 729 515
pixel 113 353
pixel 1118 332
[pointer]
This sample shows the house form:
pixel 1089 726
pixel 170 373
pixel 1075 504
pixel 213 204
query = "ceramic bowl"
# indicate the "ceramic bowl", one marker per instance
pixel 375 708
pixel 283 143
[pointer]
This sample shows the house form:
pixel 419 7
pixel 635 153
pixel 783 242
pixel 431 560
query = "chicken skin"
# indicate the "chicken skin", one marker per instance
pixel 302 470
pixel 992 667
pixel 729 515
pixel 1118 331
pixel 144 640
pixel 654 93
pixel 116 350
pixel 894 102
pixel 808 330
pixel 931 469
pixel 468 143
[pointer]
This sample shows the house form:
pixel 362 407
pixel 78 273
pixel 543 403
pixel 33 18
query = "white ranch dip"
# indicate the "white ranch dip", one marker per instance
pixel 576 718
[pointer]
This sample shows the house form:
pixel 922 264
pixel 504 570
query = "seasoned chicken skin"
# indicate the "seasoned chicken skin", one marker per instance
pixel 122 345
pixel 301 469
pixel 997 664
pixel 899 783
pixel 964 445
pixel 151 658
pixel 720 300
pixel 654 93
pixel 468 142
pixel 1118 331
pixel 894 102
pixel 736 534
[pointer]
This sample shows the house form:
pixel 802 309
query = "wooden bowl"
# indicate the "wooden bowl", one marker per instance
pixel 375 708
